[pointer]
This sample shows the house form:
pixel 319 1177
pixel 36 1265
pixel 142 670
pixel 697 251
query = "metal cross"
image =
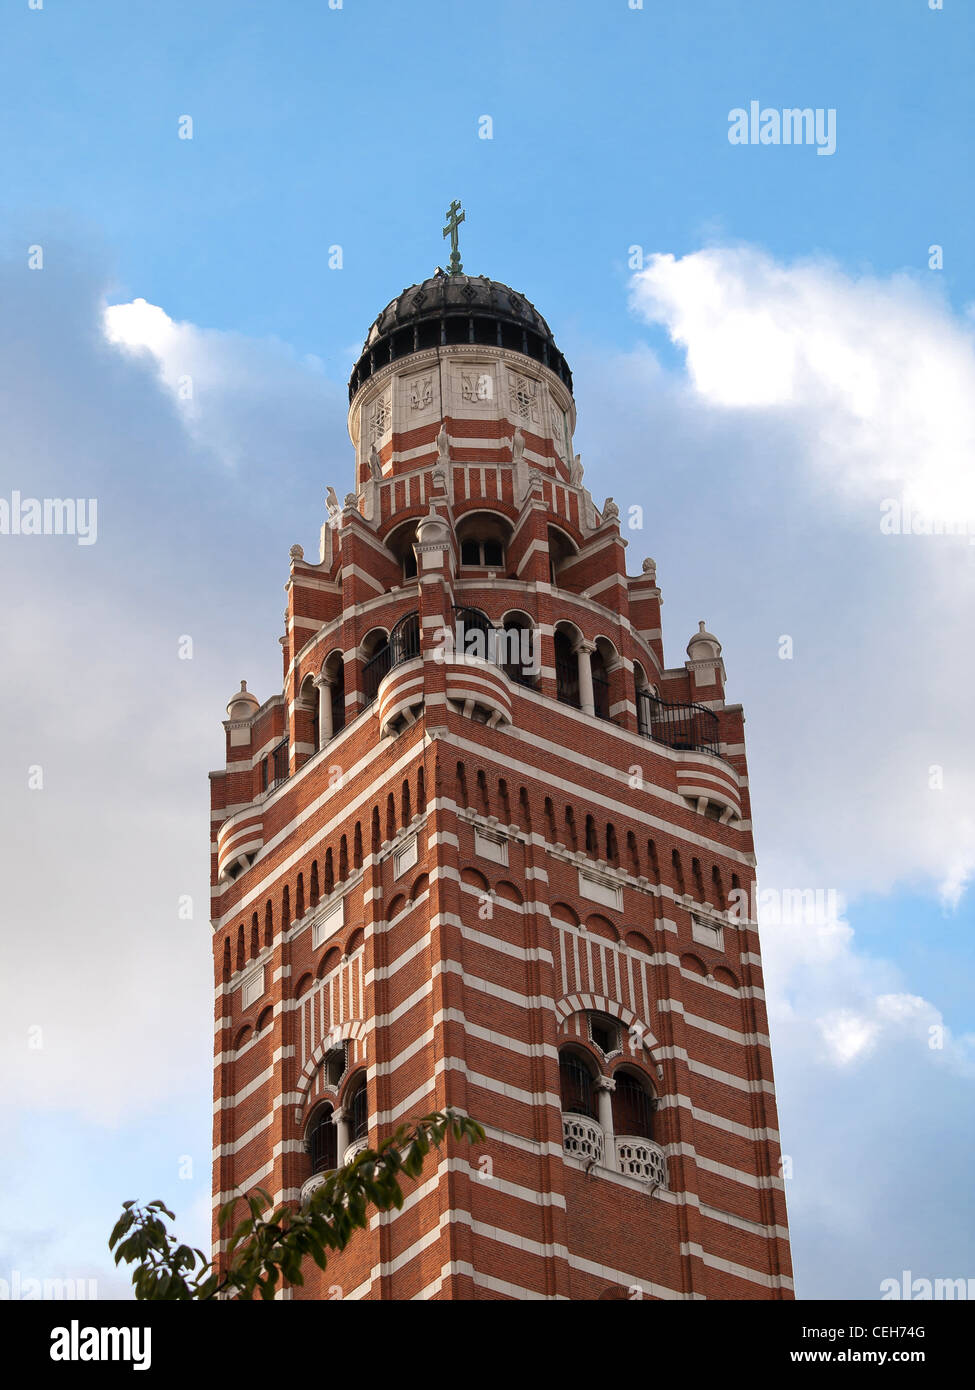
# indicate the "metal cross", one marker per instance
pixel 453 222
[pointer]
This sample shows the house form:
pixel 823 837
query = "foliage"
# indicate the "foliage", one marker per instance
pixel 269 1246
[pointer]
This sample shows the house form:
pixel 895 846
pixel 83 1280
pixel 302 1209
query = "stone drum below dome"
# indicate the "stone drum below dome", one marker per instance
pixel 450 309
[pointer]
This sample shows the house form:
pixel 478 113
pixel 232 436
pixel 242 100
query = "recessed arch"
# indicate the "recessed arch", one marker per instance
pixel 508 891
pixel 601 926
pixel 693 964
pixel 329 962
pixel 565 914
pixel 638 942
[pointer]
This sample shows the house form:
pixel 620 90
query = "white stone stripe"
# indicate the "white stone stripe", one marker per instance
pixel 754 1276
pixel 455 1268
pixel 706 1026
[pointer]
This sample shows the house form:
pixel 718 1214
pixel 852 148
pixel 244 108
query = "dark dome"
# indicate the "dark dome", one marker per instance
pixel 450 309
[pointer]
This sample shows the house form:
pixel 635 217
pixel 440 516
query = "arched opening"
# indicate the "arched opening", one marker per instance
pixel 560 549
pixel 403 644
pixel 482 539
pixel 307 714
pixel 400 543
pixel 333 672
pixel 323 1141
pixel 632 1106
pixel 519 648
pixel 566 667
pixel 602 661
pixel 356 1105
pixel 577 1085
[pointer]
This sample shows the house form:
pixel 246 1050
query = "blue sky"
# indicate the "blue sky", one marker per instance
pixel 315 127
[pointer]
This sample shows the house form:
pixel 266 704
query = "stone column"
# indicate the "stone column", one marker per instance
pixel 340 1119
pixel 584 651
pixel 605 1086
pixel 324 684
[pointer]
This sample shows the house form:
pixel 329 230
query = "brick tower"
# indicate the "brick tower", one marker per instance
pixel 484 851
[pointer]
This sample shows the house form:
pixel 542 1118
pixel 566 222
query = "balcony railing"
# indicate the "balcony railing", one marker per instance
pixel 403 645
pixel 311 1185
pixel 354 1149
pixel 567 680
pixel 276 766
pixel 641 1158
pixel 691 728
pixel 582 1137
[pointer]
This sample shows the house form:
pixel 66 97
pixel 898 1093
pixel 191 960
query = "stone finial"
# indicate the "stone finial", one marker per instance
pixel 297 553
pixel 331 499
pixel 610 511
pixel 650 567
pixel 351 499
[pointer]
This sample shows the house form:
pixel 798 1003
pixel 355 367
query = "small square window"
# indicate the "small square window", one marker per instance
pixel 605 1035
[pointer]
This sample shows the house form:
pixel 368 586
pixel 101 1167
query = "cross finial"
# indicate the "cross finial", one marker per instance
pixel 453 222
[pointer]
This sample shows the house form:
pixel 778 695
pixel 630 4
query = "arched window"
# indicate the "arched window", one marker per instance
pixel 400 545
pixel 519 648
pixel 632 1107
pixel 577 1086
pixel 382 653
pixel 323 1141
pixel 483 537
pixel 600 683
pixel 566 669
pixel 358 1108
pixel 308 704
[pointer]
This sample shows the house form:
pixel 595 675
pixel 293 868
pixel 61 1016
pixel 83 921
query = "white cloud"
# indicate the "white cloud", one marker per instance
pixel 882 371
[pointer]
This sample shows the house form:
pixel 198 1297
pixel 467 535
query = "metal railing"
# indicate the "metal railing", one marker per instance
pixel 471 620
pixel 567 680
pixel 691 728
pixel 277 766
pixel 600 696
pixel 403 645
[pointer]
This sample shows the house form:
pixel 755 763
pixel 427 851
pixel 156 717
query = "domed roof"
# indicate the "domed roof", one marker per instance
pixel 243 703
pixel 462 293
pixel 457 309
pixel 703 644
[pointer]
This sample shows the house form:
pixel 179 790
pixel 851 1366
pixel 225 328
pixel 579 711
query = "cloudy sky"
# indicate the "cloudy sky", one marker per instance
pixel 770 359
